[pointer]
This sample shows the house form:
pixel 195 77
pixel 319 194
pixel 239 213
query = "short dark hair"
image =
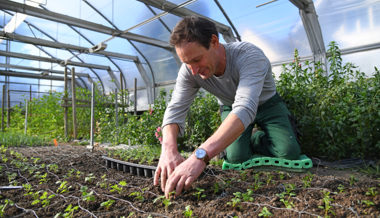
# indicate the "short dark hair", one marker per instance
pixel 193 29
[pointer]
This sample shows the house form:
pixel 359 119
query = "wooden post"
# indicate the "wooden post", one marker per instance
pixel 26 117
pixel 135 92
pixel 3 109
pixel 73 101
pixel 65 115
pixel 30 93
pixel 9 109
pixel 92 116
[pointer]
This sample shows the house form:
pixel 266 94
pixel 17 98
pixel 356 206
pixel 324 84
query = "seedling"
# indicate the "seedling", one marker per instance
pixel 53 167
pixel 118 187
pixel 63 187
pixel 27 188
pixel 165 201
pixel 199 193
pixel 327 203
pixel 371 192
pixel 43 178
pixel 89 178
pixel 107 204
pixel 247 197
pixel 307 180
pixel 269 178
pixel 87 196
pixel 353 180
pixel 243 175
pixel 45 199
pixel 3 206
pixel 265 212
pixel 11 178
pixel 138 196
pixel 341 188
pixel 236 201
pixel 257 184
pixel 70 211
pixel 103 184
pixel 368 203
pixel 188 212
pixel 35 159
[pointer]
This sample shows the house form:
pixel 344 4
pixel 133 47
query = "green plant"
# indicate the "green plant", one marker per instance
pixel 341 188
pixel 87 196
pixel 89 178
pixel 235 201
pixel 69 211
pixel 188 212
pixel 265 212
pixel 118 187
pixel 107 204
pixel 337 111
pixel 165 201
pixel 353 180
pixel 371 192
pixel 368 203
pixel 199 193
pixel 53 167
pixel 138 195
pixel 327 203
pixel 62 187
pixel 4 205
pixel 307 180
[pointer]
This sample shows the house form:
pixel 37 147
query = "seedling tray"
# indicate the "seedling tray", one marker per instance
pixel 127 167
pixel 264 162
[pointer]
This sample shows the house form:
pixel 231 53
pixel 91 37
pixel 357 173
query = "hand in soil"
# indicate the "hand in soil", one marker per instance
pixel 184 175
pixel 168 162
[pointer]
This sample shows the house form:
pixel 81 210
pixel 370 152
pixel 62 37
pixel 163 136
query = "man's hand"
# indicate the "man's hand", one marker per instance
pixel 184 175
pixel 168 162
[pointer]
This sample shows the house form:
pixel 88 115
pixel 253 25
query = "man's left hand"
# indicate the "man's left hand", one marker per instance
pixel 184 175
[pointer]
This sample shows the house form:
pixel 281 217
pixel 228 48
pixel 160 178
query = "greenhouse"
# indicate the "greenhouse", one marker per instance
pixel 190 108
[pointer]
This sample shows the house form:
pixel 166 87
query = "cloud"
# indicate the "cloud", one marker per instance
pixel 249 36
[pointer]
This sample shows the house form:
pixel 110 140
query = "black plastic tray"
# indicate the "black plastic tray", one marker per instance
pixel 127 167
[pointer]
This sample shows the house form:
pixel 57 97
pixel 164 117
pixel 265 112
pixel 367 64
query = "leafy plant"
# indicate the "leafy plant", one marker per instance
pixel 307 180
pixel 327 203
pixel 87 196
pixel 188 212
pixel 118 187
pixel 199 193
pixel 235 201
pixel 265 212
pixel 371 192
pixel 165 201
pixel 107 204
pixel 69 211
pixel 62 187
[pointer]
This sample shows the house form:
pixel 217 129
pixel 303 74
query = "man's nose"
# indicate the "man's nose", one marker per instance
pixel 194 69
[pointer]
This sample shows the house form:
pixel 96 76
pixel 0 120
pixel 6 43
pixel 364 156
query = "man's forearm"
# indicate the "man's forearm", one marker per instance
pixel 169 139
pixel 231 128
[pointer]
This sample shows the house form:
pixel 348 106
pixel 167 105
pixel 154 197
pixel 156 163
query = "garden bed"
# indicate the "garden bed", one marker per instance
pixel 73 181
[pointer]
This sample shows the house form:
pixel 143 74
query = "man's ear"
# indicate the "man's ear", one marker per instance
pixel 214 40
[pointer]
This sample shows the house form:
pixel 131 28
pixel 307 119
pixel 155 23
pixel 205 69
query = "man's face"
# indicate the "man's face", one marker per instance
pixel 198 59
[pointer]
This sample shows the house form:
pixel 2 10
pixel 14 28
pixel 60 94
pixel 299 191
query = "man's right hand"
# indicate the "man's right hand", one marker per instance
pixel 169 160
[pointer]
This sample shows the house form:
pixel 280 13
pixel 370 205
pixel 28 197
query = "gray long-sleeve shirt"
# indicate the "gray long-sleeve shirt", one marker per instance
pixel 246 83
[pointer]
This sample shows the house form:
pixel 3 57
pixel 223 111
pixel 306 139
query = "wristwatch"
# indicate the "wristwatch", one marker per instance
pixel 201 154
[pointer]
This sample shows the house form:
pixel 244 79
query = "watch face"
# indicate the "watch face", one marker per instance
pixel 200 153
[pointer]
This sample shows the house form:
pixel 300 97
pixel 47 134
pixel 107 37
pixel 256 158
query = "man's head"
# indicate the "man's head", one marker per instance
pixel 193 29
pixel 197 45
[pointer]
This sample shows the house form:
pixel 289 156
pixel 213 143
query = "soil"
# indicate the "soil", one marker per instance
pixel 330 192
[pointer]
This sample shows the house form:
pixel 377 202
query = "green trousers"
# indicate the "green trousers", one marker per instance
pixel 277 137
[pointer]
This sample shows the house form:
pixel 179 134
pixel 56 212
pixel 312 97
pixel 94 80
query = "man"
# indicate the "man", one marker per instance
pixel 240 76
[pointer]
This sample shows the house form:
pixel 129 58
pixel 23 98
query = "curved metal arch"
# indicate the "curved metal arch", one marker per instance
pixel 134 46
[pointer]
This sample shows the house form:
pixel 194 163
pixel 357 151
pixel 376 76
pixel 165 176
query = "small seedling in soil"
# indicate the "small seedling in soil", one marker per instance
pixel 138 196
pixel 28 189
pixel 87 196
pixel 265 212
pixel 199 193
pixel 43 178
pixel 371 192
pixel 236 201
pixel 368 203
pixel 353 180
pixel 188 212
pixel 107 204
pixel 327 203
pixel 341 188
pixel 269 178
pixel 257 184
pixel 89 178
pixel 118 187
pixel 307 180
pixel 69 211
pixel 53 167
pixel 247 197
pixel 243 175
pixel 165 201
pixel 63 187
pixel 3 206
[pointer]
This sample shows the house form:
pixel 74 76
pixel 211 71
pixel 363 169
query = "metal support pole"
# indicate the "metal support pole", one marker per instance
pixel 73 101
pixel 9 109
pixel 26 117
pixel 3 109
pixel 92 116
pixel 116 116
pixel 65 96
pixel 135 97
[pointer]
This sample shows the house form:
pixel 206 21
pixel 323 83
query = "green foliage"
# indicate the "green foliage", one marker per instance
pixel 327 203
pixel 199 193
pixel 338 114
pixel 17 139
pixel 188 212
pixel 265 212
pixel 107 204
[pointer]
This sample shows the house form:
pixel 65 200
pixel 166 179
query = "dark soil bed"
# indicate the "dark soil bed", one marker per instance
pixel 73 175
